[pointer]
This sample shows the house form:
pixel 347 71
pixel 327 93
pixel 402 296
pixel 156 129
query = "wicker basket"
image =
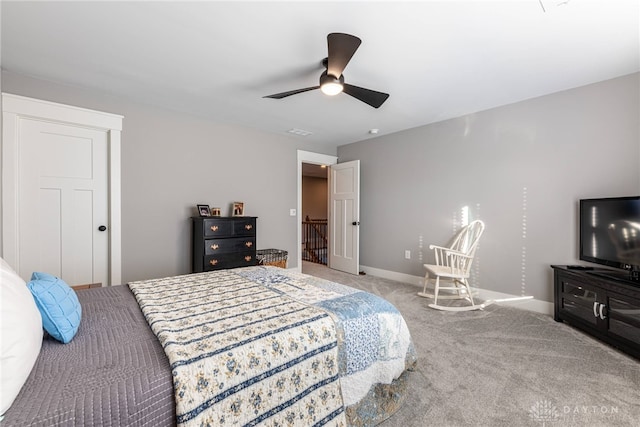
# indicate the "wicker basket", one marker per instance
pixel 275 257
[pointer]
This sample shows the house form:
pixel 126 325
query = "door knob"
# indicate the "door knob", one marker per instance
pixel 102 228
pixel 355 223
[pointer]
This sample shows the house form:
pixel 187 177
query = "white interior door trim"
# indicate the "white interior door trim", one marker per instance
pixel 316 159
pixel 15 107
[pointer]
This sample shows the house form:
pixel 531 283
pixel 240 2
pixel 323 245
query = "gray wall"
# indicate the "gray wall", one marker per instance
pixel 171 162
pixel 521 168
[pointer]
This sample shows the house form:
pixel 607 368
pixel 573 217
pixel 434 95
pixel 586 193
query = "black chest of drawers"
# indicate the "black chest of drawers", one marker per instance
pixel 223 242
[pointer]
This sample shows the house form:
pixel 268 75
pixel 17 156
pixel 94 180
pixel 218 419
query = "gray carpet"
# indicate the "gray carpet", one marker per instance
pixel 503 366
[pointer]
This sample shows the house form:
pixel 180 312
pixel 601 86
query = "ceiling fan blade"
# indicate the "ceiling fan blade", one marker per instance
pixel 371 97
pixel 291 92
pixel 341 49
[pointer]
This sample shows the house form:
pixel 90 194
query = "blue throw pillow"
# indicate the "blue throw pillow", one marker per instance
pixel 58 305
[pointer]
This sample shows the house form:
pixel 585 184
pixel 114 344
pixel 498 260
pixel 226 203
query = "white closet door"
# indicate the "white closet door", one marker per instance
pixel 63 201
pixel 61 190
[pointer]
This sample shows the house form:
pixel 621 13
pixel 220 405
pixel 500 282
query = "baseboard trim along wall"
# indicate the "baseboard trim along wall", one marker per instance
pixel 534 305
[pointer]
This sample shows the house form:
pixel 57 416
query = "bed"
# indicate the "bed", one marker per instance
pixel 250 346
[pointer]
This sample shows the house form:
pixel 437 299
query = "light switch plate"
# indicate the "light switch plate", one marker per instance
pixel 292 212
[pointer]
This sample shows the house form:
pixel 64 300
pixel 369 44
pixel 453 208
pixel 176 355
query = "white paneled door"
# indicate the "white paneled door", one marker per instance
pixel 344 217
pixel 61 191
pixel 63 201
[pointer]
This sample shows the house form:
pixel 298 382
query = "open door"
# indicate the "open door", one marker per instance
pixel 344 217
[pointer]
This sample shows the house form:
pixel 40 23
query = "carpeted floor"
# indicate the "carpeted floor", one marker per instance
pixel 504 366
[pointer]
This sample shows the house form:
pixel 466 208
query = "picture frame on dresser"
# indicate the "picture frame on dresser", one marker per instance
pixel 203 210
pixel 237 209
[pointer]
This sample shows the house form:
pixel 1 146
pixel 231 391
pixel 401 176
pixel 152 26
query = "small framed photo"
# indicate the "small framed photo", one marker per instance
pixel 215 211
pixel 203 210
pixel 237 209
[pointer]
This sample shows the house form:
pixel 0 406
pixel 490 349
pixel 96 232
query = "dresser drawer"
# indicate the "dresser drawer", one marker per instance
pixel 217 228
pixel 235 244
pixel 244 227
pixel 230 260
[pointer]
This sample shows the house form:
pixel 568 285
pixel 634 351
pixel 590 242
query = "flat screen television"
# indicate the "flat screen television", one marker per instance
pixel 610 234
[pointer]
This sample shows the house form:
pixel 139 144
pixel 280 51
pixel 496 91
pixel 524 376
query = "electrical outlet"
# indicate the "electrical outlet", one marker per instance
pixel 407 254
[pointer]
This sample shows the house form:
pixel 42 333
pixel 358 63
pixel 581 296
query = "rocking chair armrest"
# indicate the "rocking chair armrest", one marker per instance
pixel 438 247
pixel 451 252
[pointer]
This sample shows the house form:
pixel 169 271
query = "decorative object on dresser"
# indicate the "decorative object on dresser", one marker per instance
pixel 223 242
pixel 215 211
pixel 237 209
pixel 203 210
pixel 601 304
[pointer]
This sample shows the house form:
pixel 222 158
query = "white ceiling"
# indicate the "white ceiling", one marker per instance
pixel 437 59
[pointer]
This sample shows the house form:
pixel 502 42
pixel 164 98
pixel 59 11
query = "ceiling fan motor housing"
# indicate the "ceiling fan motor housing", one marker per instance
pixel 326 78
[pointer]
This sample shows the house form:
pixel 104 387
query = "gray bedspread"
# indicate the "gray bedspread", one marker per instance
pixel 113 373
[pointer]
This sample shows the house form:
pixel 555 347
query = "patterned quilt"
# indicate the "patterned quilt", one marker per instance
pixel 264 345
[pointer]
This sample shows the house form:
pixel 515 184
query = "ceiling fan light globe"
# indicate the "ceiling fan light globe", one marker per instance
pixel 331 89
pixel 331 85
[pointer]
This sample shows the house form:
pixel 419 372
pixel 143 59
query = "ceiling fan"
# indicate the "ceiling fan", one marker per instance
pixel 341 48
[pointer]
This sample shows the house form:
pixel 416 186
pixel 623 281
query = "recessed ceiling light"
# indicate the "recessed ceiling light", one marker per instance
pixel 299 132
pixel 373 131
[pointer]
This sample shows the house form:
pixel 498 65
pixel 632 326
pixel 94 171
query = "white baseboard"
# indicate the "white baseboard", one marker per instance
pixel 535 305
pixel 392 275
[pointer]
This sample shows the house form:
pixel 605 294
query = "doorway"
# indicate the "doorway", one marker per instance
pixel 314 214
pixel 313 160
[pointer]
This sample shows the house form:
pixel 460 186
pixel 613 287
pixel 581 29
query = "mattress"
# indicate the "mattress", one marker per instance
pixel 119 370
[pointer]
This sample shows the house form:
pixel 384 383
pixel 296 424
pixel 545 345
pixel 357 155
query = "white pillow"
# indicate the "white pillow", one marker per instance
pixel 20 334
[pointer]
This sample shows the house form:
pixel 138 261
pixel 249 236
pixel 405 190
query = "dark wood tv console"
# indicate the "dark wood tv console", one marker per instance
pixel 605 307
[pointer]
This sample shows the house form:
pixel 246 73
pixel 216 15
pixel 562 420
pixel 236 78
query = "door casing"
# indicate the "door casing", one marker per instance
pixel 16 108
pixel 316 159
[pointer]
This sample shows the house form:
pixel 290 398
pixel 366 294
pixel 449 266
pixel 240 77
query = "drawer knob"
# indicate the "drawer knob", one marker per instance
pixel 214 228
pixel 247 258
pixel 248 227
pixel 214 247
pixel 248 244
pixel 213 262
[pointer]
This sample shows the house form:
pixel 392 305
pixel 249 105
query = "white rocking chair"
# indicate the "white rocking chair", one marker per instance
pixel 453 265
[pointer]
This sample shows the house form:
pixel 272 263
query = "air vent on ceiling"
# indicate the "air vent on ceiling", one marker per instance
pixel 299 132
